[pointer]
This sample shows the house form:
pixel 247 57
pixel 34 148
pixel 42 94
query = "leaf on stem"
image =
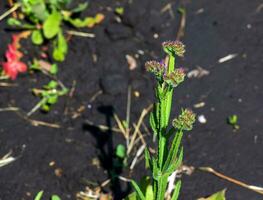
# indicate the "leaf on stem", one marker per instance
pixel 51 26
pixel 138 190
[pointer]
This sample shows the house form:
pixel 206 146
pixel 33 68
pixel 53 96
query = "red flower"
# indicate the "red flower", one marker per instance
pixel 13 66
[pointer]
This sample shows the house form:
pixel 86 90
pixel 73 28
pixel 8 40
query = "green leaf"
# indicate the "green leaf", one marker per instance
pixel 119 10
pixel 176 164
pixel 61 48
pixel 39 195
pixel 51 26
pixel 173 150
pixel 176 190
pixel 52 99
pixel 148 162
pixel 54 69
pixel 78 23
pixel 37 37
pixel 45 107
pixel 131 196
pixel 153 123
pixel 221 195
pixel 55 197
pixel 121 151
pixel 39 10
pixel 13 22
pixel 52 84
pixel 138 190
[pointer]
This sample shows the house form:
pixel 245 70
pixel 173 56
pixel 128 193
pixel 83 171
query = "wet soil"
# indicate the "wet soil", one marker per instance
pixel 214 29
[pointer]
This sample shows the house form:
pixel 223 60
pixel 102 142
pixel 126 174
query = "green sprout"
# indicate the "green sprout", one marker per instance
pixel 49 95
pixel 40 195
pixel 170 151
pixel 119 10
pixel 233 121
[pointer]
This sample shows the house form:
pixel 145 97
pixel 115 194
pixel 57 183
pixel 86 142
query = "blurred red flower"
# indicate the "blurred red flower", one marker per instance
pixel 13 65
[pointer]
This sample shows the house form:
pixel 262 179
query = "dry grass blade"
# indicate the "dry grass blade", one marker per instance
pixel 232 180
pixel 81 34
pixel 10 11
pixel 120 125
pixel 7 159
pixel 3 84
pixel 182 24
pixel 103 127
pixel 9 109
pixel 138 154
pixel 138 125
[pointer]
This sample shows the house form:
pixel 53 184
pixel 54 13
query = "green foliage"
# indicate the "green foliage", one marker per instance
pixel 40 195
pixel 233 121
pixel 60 47
pixel 49 94
pixel 51 25
pixel 55 197
pixel 45 18
pixel 221 195
pixel 170 151
pixel 120 151
pixel 119 10
pixel 37 37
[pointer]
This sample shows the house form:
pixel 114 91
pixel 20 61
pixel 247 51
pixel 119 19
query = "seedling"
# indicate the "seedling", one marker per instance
pixel 45 20
pixel 233 121
pixel 169 156
pixel 40 195
pixel 49 95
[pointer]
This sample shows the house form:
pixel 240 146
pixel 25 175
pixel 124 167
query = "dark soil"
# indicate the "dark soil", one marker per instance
pixel 234 87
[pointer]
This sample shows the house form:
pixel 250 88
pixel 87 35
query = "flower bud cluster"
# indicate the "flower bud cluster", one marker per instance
pixel 185 120
pixel 174 48
pixel 157 68
pixel 175 78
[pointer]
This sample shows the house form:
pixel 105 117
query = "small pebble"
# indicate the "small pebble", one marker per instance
pixel 202 119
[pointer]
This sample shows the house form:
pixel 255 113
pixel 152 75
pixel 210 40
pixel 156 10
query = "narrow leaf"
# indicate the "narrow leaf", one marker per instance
pixel 173 149
pixel 138 190
pixel 176 190
pixel 39 195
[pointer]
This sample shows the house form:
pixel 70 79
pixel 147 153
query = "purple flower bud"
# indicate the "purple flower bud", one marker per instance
pixel 185 120
pixel 157 68
pixel 174 48
pixel 175 78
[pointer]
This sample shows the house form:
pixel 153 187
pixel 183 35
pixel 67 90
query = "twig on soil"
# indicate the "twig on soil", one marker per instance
pixel 10 11
pixel 9 109
pixel 42 123
pixel 120 125
pixel 7 159
pixel 138 154
pixel 93 98
pixel 128 114
pixel 3 84
pixel 227 58
pixel 168 7
pixel 138 125
pixel 103 127
pixel 37 122
pixel 11 4
pixel 232 180
pixel 181 29
pixel 81 34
